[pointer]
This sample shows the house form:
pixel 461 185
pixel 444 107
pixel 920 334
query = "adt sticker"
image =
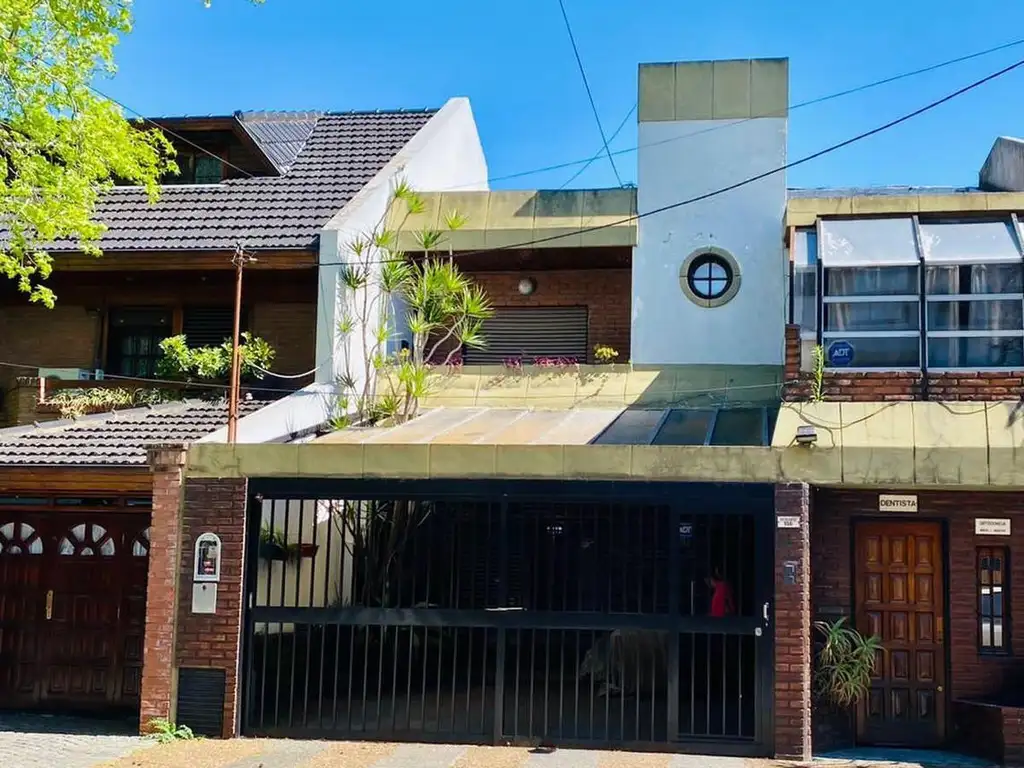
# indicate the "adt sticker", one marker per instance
pixel 840 353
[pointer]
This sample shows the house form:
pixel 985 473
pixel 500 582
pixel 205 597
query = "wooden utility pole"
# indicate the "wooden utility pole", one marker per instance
pixel 240 259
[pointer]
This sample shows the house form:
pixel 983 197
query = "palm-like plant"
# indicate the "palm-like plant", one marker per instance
pixel 846 662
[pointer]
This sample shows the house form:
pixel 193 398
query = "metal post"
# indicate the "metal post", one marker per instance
pixel 236 359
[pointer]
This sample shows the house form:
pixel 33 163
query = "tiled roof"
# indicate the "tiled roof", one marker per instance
pixel 325 159
pixel 118 438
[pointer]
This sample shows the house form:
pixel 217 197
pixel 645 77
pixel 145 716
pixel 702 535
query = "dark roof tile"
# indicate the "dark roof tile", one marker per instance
pixel 325 160
pixel 115 439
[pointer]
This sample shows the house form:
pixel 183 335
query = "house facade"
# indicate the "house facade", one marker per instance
pixel 813 417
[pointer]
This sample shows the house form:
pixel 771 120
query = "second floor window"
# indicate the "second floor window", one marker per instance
pixel 993 600
pixel 902 294
pixel 196 168
pixel 133 344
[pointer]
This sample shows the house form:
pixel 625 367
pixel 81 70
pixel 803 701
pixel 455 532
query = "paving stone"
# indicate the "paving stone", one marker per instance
pixel 38 741
pixel 564 758
pixel 281 753
pixel 705 761
pixel 422 756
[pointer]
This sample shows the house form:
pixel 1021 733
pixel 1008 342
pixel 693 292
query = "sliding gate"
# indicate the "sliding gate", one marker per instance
pixel 518 612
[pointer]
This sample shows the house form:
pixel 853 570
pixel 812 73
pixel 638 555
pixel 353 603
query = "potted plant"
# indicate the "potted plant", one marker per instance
pixel 273 545
pixel 842 677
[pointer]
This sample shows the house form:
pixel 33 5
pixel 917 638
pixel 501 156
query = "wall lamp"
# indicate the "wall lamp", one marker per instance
pixel 806 435
pixel 527 286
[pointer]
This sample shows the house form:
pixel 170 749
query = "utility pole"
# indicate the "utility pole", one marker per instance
pixel 240 259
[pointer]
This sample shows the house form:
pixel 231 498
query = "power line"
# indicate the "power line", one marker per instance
pixel 590 94
pixel 792 108
pixel 599 152
pixel 737 185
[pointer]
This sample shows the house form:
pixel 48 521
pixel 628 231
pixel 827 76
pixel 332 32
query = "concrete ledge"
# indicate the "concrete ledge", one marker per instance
pixel 804 211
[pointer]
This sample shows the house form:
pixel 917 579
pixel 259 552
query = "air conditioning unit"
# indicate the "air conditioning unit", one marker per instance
pixel 65 374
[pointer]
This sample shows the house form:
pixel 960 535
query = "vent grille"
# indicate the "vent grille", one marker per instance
pixel 532 332
pixel 209 326
pixel 201 700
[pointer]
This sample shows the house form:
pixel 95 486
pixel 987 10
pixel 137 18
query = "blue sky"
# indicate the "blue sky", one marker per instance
pixel 515 63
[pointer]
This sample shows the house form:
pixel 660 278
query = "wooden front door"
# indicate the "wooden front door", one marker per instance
pixel 899 597
pixel 72 608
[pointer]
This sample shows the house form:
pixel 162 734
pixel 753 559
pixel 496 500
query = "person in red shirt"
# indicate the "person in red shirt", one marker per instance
pixel 721 595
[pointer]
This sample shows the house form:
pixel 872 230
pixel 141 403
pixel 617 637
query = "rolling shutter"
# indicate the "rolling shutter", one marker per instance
pixel 209 326
pixel 532 332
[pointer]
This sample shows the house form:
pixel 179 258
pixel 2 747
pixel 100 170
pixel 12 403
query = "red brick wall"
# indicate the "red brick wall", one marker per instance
pixel 213 640
pixel 291 330
pixel 606 292
pixel 792 622
pixel 167 464
pixel 896 385
pixel 970 674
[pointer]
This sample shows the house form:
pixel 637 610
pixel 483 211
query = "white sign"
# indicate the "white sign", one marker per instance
pixel 992 526
pixel 788 521
pixel 896 503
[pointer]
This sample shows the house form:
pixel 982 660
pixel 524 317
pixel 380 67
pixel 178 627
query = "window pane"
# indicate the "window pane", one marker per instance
pixel 871 281
pixel 208 170
pixel 976 278
pixel 959 242
pixel 873 316
pixel 858 242
pixel 899 352
pixel 993 621
pixel 980 352
pixel 684 427
pixel 1001 315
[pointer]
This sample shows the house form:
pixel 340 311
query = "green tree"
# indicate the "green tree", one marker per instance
pixel 62 143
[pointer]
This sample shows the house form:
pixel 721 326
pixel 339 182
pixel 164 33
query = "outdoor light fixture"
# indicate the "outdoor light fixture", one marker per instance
pixel 806 435
pixel 527 286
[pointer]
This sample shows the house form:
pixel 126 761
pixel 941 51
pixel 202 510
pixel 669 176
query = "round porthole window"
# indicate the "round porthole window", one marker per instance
pixel 710 277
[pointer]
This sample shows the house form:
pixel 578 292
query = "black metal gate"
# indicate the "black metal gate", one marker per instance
pixel 562 613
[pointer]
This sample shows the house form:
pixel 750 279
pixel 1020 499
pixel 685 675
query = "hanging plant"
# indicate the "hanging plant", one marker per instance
pixel 846 662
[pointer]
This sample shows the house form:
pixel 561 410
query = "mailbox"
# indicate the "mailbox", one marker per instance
pixel 206 573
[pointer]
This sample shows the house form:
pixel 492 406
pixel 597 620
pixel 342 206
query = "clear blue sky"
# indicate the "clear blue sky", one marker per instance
pixel 515 63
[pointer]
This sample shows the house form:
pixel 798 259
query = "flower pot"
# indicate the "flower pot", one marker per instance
pixel 271 551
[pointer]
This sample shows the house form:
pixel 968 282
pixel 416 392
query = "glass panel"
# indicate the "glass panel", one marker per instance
pixel 87 552
pixel 959 242
pixel 20 501
pixel 208 170
pixel 896 352
pixel 805 279
pixel 7 530
pixel 107 547
pixel 978 352
pixel 873 316
pixel 739 426
pixel 66 547
pixel 1000 315
pixel 79 532
pixel 633 427
pixel 863 242
pixel 35 547
pixel 976 278
pixel 684 427
pixel 872 281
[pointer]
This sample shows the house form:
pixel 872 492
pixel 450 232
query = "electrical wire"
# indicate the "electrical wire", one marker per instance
pixel 792 108
pixel 340 389
pixel 736 185
pixel 597 155
pixel 590 93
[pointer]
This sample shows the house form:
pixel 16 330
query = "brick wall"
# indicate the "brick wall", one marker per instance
pixel 213 640
pixel 970 674
pixel 895 385
pixel 606 292
pixel 158 674
pixel 792 623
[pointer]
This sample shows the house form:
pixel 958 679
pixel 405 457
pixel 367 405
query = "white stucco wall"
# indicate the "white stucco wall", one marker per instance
pixel 445 154
pixel 747 222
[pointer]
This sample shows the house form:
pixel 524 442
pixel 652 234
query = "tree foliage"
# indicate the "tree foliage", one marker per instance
pixel 185 363
pixel 61 142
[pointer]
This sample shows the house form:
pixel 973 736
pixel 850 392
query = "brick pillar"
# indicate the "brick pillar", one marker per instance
pixel 23 400
pixel 793 623
pixel 213 641
pixel 167 463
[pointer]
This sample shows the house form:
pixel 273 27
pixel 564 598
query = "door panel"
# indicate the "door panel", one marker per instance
pixel 72 608
pixel 899 590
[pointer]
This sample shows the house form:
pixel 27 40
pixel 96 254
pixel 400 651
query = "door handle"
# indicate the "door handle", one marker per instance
pixel 764 612
pixel 49 605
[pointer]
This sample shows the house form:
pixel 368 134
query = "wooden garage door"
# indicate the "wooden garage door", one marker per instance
pixel 72 608
pixel 530 332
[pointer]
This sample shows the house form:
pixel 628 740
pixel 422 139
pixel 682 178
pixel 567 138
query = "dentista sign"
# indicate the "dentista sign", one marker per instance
pixel 896 503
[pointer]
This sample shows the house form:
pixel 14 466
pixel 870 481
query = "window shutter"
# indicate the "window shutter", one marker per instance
pixel 209 326
pixel 532 332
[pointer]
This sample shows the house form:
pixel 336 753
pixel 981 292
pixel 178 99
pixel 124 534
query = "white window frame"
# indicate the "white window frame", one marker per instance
pixel 922 300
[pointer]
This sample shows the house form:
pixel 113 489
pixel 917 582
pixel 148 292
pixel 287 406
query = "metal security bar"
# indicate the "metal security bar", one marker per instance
pixel 529 615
